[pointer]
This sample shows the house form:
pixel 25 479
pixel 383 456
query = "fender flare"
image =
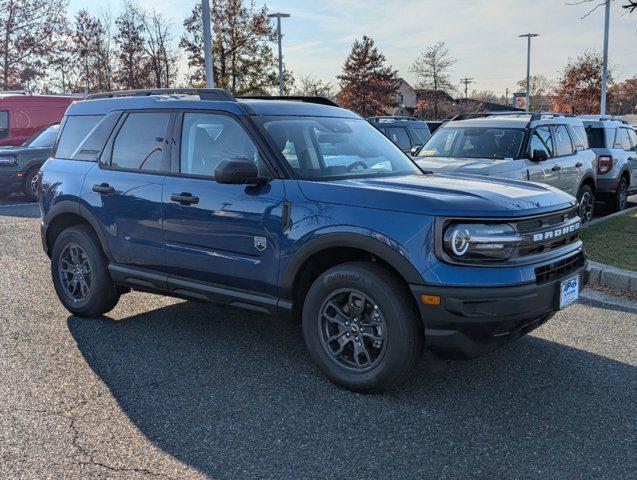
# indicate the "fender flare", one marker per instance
pixel 588 176
pixel 70 207
pixel 385 252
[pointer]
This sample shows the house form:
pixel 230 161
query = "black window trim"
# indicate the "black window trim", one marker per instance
pixel 248 128
pixel 107 152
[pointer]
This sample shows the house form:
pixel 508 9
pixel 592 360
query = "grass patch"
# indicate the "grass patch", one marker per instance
pixel 613 242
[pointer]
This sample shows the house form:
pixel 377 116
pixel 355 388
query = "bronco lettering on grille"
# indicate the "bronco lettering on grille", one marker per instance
pixel 558 232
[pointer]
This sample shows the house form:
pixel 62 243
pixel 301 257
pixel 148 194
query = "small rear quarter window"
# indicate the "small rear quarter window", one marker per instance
pixel 74 131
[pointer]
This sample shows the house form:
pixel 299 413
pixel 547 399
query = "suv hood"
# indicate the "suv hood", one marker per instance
pixel 478 166
pixel 457 195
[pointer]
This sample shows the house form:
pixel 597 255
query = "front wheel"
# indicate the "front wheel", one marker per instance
pixel 80 273
pixel 361 327
pixel 29 185
pixel 586 201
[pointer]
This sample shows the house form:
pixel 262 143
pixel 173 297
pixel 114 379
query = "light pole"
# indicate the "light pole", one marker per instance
pixel 528 65
pixel 207 43
pixel 602 103
pixel 278 17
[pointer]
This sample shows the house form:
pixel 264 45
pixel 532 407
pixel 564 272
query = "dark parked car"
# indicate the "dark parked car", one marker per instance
pixel 406 132
pixel 301 209
pixel 19 165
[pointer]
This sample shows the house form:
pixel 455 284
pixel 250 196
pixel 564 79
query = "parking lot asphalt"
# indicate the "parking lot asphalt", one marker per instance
pixel 167 388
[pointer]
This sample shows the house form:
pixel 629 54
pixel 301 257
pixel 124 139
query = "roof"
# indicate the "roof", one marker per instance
pixel 21 99
pixel 521 120
pixel 102 106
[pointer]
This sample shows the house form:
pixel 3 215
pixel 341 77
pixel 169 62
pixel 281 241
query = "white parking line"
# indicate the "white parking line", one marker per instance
pixel 19 205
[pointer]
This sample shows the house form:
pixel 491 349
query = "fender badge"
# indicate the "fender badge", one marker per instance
pixel 260 243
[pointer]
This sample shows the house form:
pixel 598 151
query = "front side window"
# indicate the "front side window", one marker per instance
pixel 4 124
pixel 541 139
pixel 44 139
pixel 207 139
pixel 422 134
pixel 563 145
pixel 74 131
pixel 323 148
pixel 139 144
pixel 474 142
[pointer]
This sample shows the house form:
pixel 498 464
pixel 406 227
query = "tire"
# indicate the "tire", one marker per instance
pixel 28 183
pixel 392 334
pixel 91 267
pixel 586 201
pixel 620 198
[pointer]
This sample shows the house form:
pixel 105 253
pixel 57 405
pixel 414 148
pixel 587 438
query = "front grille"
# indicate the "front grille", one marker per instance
pixel 529 227
pixel 558 269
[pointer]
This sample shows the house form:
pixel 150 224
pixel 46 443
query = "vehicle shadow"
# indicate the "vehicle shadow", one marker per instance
pixel 235 395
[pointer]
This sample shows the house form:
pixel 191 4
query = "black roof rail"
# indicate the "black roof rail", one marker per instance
pixel 379 118
pixel 203 93
pixel 294 98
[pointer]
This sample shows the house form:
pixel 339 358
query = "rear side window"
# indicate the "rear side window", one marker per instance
pixel 622 139
pixel 579 137
pixel 633 138
pixel 74 131
pixel 421 135
pixel 92 145
pixel 4 124
pixel 563 145
pixel 139 144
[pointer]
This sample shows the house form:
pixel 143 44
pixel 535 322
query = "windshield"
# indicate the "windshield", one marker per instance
pixel 45 138
pixel 474 142
pixel 320 148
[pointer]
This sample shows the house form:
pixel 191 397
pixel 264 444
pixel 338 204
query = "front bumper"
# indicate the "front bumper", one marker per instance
pixel 472 321
pixel 10 181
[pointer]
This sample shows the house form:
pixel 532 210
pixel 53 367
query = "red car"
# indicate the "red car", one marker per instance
pixel 23 116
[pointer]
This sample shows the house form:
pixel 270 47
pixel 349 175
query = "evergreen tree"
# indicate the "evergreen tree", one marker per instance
pixel 368 86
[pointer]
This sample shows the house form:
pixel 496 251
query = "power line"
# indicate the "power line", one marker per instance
pixel 466 81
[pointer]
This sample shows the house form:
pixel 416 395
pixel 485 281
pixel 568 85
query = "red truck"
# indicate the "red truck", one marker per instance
pixel 22 116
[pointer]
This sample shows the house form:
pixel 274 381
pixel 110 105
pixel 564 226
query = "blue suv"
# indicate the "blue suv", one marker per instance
pixel 299 208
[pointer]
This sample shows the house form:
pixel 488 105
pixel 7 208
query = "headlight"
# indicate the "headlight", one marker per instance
pixel 478 241
pixel 8 161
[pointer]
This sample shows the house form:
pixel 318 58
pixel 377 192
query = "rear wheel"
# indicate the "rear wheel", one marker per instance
pixel 586 201
pixel 620 199
pixel 80 273
pixel 29 184
pixel 361 327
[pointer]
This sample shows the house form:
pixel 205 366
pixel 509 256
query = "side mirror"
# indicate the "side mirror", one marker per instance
pixel 237 171
pixel 415 150
pixel 539 156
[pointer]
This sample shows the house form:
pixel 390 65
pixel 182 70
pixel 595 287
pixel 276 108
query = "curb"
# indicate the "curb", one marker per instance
pixel 612 215
pixel 612 277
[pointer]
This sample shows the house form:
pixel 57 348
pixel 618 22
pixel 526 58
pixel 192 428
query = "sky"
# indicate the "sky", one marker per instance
pixel 482 35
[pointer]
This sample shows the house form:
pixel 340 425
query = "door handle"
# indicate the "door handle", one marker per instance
pixel 184 198
pixel 556 168
pixel 103 188
pixel 579 164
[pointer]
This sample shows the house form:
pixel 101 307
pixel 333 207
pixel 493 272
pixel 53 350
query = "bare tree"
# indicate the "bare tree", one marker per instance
pixel 432 70
pixel 311 87
pixel 157 44
pixel 133 64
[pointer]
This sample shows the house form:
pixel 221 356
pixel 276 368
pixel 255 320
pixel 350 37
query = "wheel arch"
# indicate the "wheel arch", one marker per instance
pixel 588 180
pixel 329 250
pixel 67 214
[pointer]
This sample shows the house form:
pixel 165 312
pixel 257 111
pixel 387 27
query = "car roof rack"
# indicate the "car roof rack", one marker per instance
pixel 293 98
pixel 388 118
pixel 203 93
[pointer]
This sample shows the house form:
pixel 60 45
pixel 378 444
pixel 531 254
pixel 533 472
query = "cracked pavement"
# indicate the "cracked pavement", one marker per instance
pixel 162 388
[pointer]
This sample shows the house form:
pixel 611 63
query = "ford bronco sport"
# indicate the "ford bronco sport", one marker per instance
pixel 301 209
pixel 615 144
pixel 545 148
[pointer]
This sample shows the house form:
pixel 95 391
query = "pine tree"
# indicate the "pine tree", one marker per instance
pixel 367 86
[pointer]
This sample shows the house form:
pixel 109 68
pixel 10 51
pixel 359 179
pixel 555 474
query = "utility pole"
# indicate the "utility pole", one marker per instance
pixel 207 43
pixel 528 65
pixel 278 17
pixel 466 82
pixel 605 64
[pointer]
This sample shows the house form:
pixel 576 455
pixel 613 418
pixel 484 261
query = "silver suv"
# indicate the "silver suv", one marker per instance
pixel 615 144
pixel 544 148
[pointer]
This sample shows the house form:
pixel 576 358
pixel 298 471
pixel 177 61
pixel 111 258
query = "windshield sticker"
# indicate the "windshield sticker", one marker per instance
pixel 428 153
